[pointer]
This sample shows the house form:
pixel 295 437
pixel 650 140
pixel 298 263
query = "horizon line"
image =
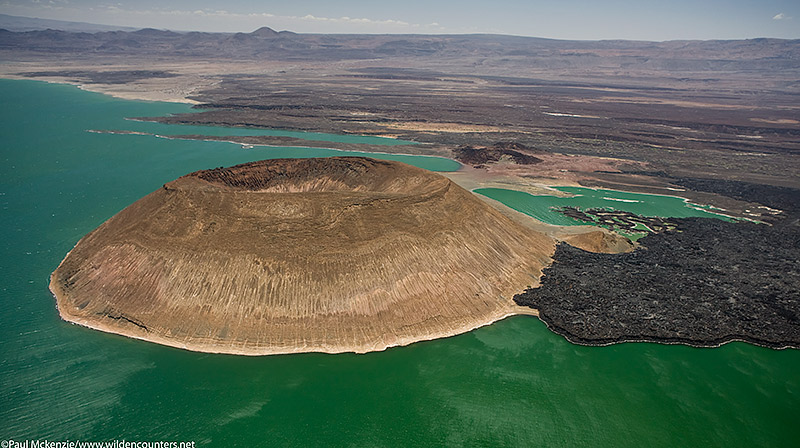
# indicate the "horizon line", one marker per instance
pixel 125 28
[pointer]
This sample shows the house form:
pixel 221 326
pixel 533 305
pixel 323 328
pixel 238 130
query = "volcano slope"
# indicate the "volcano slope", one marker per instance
pixel 299 255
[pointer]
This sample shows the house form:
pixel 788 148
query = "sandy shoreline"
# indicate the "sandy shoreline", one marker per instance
pixel 188 80
pixel 112 90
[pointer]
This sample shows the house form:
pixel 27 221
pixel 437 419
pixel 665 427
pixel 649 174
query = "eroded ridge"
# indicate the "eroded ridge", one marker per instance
pixel 297 255
pixel 340 174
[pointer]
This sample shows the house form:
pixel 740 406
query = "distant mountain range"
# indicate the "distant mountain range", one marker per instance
pixel 16 23
pixel 265 44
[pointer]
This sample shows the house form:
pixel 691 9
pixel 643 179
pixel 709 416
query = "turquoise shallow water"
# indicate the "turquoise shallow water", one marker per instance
pixel 513 383
pixel 150 109
pixel 541 207
pixel 171 129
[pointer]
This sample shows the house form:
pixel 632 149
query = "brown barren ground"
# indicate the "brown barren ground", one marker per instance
pixel 300 255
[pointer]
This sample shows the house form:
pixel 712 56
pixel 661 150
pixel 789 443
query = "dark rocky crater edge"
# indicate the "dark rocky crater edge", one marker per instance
pixel 705 283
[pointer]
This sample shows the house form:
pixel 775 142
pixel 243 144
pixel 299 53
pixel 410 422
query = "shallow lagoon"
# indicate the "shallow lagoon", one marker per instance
pixel 541 206
pixel 513 383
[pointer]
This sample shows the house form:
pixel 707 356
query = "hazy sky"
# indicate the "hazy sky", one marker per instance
pixel 564 19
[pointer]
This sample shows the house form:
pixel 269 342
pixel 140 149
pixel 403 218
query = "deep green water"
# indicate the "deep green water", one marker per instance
pixel 540 207
pixel 509 384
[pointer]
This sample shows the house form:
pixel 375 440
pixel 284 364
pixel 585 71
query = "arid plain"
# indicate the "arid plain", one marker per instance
pixel 715 122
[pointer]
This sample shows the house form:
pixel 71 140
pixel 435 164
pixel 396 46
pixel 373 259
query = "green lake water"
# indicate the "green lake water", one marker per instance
pixel 513 383
pixel 541 206
pixel 133 124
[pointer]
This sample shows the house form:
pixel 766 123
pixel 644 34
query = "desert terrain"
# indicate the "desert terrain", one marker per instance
pixel 715 122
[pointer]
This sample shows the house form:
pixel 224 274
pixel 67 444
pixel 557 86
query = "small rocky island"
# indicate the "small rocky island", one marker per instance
pixel 300 255
pixel 618 220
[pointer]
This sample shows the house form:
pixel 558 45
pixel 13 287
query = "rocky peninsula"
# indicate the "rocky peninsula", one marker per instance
pixel 343 254
pixel 703 283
